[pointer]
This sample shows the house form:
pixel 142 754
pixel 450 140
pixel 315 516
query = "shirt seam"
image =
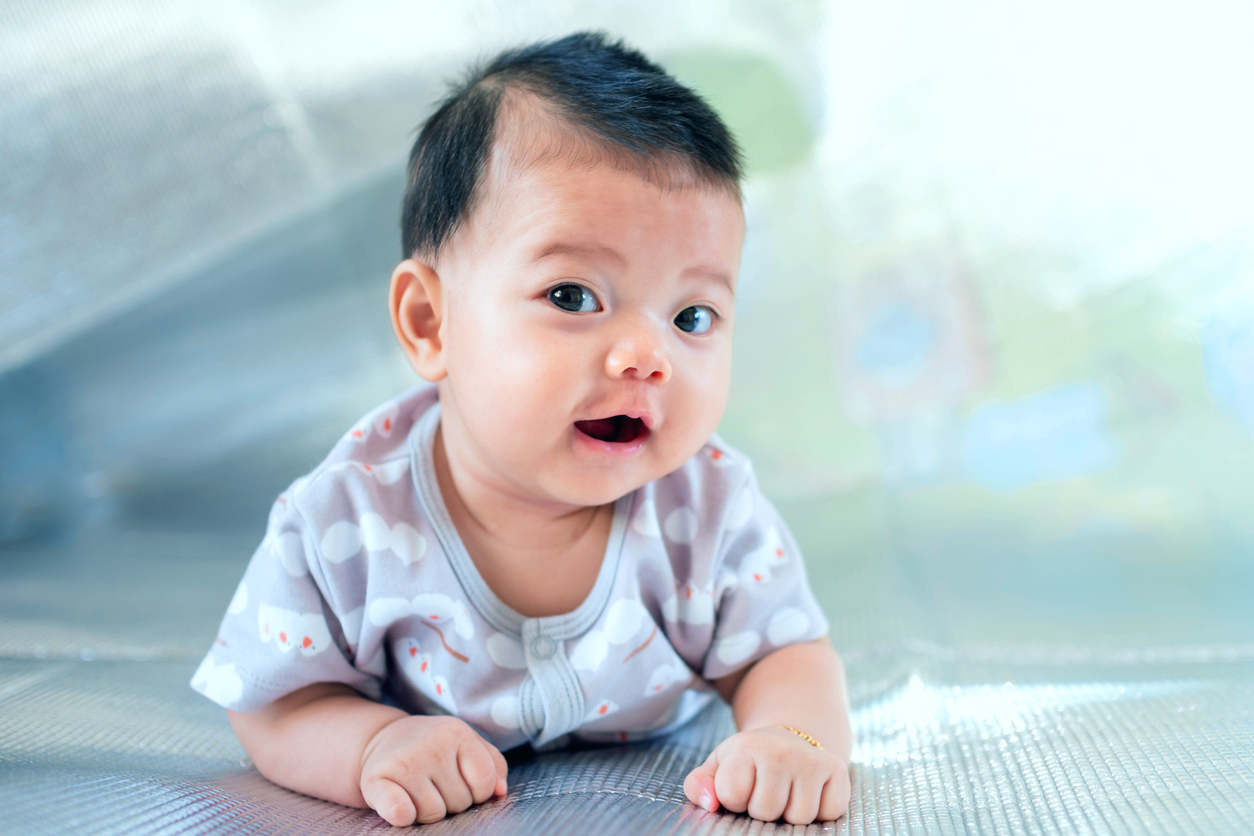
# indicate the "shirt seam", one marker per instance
pixel 324 587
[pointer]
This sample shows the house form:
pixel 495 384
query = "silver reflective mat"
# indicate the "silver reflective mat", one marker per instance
pixel 944 747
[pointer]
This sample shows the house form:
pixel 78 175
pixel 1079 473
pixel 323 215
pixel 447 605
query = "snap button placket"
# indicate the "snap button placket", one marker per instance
pixel 543 647
pixel 555 690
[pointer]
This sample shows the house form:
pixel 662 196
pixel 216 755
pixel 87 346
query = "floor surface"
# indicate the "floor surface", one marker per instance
pixel 99 729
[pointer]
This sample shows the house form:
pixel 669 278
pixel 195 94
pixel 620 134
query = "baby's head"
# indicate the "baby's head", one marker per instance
pixel 574 227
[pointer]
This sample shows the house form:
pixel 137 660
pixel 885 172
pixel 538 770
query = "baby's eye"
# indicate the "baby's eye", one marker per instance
pixel 574 298
pixel 696 319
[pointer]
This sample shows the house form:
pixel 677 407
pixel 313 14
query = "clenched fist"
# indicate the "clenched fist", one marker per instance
pixel 768 773
pixel 420 769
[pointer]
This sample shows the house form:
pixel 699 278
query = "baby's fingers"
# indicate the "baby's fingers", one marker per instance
pixel 390 801
pixel 502 770
pixel 478 769
pixel 803 801
pixel 699 785
pixel 431 806
pixel 835 798
pixel 770 793
pixel 734 782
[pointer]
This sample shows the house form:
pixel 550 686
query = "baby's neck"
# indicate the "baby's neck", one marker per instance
pixel 541 559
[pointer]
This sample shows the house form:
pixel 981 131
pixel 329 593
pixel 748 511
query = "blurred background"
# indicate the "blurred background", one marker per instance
pixel 995 345
pixel 994 362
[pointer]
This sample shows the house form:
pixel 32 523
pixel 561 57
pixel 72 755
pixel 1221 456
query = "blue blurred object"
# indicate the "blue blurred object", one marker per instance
pixel 1054 434
pixel 895 346
pixel 1228 354
pixel 40 482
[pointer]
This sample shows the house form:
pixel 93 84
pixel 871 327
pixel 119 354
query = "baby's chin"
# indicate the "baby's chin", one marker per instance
pixel 589 480
pixel 589 489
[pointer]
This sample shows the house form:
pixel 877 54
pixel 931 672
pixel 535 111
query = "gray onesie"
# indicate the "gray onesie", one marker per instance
pixel 362 579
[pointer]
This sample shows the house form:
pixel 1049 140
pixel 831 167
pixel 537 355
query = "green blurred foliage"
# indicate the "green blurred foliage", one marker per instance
pixel 755 99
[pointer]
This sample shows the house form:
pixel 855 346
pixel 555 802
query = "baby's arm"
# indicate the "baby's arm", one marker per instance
pixel 327 741
pixel 768 771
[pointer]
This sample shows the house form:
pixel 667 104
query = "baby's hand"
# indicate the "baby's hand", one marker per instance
pixel 423 768
pixel 770 772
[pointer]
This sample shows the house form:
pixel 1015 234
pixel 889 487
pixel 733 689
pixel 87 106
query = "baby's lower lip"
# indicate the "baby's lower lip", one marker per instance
pixel 603 435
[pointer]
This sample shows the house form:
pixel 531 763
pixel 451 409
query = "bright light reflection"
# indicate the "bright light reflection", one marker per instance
pixel 895 728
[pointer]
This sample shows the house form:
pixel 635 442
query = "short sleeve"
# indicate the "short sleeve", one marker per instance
pixel 762 598
pixel 285 628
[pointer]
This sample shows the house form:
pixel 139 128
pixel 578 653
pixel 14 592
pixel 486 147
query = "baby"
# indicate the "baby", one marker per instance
pixel 550 543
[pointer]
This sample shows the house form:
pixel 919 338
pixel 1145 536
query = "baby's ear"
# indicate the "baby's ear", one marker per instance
pixel 416 303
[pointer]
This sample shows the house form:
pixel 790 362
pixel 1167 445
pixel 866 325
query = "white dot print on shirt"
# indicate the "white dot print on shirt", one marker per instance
pixel 402 539
pixel 344 539
pixel 506 652
pixel 681 525
pixel 219 683
pixel 623 620
pixel 505 712
pixel 389 473
pixel 413 661
pixel 419 669
pixel 590 651
pixel 436 610
pixel 756 566
pixel 644 522
pixel 736 648
pixel 787 625
pixel 692 604
pixel 666 676
pixel 307 632
pixel 341 541
pixel 622 623
pixel 290 552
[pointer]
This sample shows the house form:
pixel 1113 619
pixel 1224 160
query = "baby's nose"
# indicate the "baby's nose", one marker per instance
pixel 639 354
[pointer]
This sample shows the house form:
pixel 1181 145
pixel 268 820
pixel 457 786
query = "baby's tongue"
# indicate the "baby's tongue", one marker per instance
pixel 604 429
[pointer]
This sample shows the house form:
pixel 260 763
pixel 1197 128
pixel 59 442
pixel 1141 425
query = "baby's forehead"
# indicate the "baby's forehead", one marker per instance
pixel 543 170
pixel 531 134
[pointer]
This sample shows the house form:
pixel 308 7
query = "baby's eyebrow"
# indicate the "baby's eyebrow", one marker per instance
pixel 601 250
pixel 716 275
pixel 563 248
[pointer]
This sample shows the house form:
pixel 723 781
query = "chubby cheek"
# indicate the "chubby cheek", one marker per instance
pixel 515 387
pixel 696 399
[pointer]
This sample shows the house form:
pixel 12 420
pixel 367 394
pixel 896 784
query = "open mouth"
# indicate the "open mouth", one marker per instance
pixel 617 429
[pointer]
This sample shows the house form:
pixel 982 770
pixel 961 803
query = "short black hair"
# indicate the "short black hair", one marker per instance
pixel 601 87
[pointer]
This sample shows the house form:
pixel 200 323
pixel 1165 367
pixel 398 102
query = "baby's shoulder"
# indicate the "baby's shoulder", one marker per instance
pixel 717 465
pixel 383 433
pixel 368 471
pixel 701 491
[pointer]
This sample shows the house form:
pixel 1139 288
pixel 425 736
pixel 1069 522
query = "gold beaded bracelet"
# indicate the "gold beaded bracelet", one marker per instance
pixel 803 735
